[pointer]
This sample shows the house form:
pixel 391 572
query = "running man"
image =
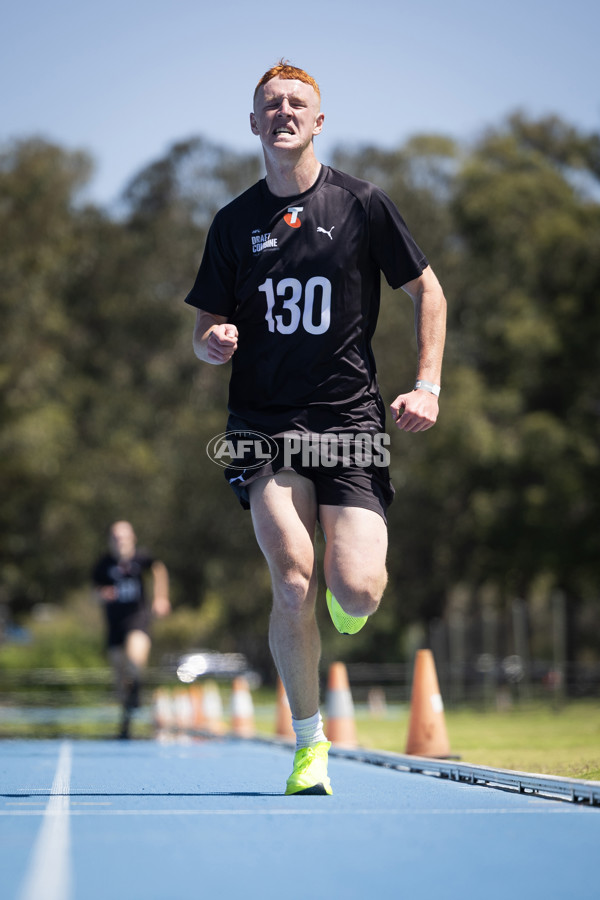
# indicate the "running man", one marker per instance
pixel 118 578
pixel 288 290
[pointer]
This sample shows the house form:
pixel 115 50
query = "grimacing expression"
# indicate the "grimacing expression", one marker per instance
pixel 286 114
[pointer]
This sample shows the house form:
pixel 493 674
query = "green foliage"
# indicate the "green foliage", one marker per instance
pixel 60 637
pixel 105 412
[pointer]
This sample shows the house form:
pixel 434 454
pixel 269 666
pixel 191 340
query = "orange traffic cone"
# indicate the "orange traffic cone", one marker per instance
pixel 377 703
pixel 341 727
pixel 283 713
pixel 182 707
pixel 242 708
pixel 162 710
pixel 427 735
pixel 197 701
pixel 212 707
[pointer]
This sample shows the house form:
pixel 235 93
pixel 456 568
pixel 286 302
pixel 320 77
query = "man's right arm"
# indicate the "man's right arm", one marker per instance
pixel 215 339
pixel 102 591
pixel 105 593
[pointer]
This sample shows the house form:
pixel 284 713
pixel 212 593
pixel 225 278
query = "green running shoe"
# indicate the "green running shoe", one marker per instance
pixel 344 623
pixel 310 771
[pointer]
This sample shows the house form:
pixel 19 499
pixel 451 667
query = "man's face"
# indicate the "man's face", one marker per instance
pixel 286 114
pixel 122 540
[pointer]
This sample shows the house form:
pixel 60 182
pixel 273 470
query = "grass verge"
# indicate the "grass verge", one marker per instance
pixel 529 737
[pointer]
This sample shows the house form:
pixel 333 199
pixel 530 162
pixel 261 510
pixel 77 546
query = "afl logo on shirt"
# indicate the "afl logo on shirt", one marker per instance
pixel 292 218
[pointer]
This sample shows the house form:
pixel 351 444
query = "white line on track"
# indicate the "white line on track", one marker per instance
pixel 49 874
pixel 540 811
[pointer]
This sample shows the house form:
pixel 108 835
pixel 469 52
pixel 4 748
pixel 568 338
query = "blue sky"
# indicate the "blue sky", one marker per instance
pixel 124 80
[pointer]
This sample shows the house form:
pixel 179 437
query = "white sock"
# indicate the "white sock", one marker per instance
pixel 308 731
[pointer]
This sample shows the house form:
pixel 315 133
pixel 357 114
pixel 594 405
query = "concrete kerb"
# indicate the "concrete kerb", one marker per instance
pixel 549 787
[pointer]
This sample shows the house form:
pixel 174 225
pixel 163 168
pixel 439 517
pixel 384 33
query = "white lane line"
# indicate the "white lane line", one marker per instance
pixel 410 813
pixel 49 874
pixel 25 803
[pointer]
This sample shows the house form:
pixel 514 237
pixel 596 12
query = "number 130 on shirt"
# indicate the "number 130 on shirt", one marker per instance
pixel 298 302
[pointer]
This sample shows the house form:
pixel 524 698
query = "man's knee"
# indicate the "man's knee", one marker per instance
pixel 137 649
pixel 294 591
pixel 359 593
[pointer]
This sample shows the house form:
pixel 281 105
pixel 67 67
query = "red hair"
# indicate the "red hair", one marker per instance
pixel 285 70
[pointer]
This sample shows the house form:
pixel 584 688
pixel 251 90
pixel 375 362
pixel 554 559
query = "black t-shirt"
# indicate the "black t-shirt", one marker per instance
pixel 127 576
pixel 300 278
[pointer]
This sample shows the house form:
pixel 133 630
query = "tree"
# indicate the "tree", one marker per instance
pixel 39 248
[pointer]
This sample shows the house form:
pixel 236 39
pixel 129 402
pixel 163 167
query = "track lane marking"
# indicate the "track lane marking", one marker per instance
pixel 312 812
pixel 48 876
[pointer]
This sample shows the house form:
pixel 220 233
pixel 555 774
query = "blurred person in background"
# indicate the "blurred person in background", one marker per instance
pixel 288 290
pixel 119 579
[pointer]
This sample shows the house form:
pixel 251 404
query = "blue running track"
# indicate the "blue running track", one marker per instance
pixel 143 820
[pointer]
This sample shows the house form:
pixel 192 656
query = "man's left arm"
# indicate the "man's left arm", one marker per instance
pixel 161 604
pixel 418 409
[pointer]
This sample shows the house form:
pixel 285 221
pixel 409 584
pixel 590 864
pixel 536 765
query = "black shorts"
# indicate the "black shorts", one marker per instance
pixel 120 626
pixel 336 484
